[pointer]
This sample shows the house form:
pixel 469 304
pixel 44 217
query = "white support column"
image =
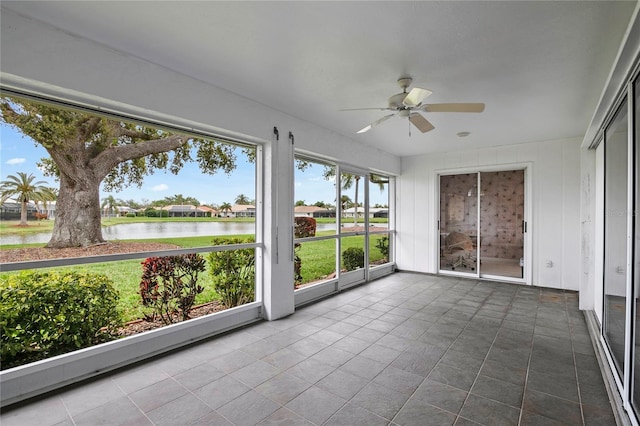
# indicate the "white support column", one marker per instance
pixel 278 227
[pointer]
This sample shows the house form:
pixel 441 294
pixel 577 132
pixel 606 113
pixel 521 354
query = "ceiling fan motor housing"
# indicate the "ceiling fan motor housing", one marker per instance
pixel 395 101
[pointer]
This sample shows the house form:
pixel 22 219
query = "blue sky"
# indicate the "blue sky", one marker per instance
pixel 20 154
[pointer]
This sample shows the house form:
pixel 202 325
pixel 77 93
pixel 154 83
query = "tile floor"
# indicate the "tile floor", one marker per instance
pixel 407 349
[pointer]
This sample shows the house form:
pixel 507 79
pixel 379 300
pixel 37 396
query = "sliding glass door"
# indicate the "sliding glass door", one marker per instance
pixel 482 224
pixel 615 236
pixel 459 223
pixel 502 224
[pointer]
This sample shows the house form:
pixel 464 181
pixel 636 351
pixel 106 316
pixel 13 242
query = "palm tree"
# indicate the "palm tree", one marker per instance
pixel 242 199
pixel 108 204
pixel 225 207
pixel 51 196
pixel 24 187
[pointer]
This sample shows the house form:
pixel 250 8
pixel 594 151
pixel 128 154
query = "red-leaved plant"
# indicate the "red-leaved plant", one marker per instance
pixel 169 285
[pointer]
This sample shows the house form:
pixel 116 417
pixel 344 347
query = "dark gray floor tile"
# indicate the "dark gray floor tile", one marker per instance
pixel 284 358
pixel 282 388
pixel 131 380
pixel 233 361
pixel 380 325
pixel 549 366
pixel 261 348
pixel 248 409
pixel 415 363
pixel 333 356
pixel 436 340
pixel 316 405
pixel 598 415
pixel 515 357
pixel 489 412
pixel 342 384
pixel 284 416
pixel 461 421
pixel 343 328
pixel 474 346
pixel 399 380
pixel 452 376
pixel 199 376
pixel 561 410
pixel 471 362
pixel 46 411
pixel 445 330
pixel 310 370
pixel 117 411
pixel 498 390
pixel 382 354
pixel 307 346
pixel 90 395
pixel 358 320
pixel 211 419
pixel 496 370
pixel 350 415
pixel 395 342
pixel 363 367
pixel 183 410
pixel 381 400
pixel 418 413
pixel 368 334
pixel 532 419
pixel 221 391
pixel 254 374
pixel 440 395
pixel 595 395
pixel 157 394
pixel 553 384
pixel 351 344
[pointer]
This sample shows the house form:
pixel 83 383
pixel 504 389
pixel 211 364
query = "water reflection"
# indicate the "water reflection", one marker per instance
pixel 152 230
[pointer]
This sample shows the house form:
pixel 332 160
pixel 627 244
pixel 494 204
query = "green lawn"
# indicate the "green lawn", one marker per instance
pixel 318 261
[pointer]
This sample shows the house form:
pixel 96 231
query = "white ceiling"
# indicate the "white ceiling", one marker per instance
pixel 539 66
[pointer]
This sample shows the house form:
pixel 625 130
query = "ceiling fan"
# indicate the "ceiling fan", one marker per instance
pixel 407 105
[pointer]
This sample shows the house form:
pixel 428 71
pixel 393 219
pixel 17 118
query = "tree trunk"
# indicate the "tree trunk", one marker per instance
pixel 23 212
pixel 77 222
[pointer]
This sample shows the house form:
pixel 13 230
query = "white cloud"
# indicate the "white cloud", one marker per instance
pixel 161 187
pixel 16 161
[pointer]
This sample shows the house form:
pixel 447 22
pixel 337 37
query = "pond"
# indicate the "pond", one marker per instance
pixel 152 230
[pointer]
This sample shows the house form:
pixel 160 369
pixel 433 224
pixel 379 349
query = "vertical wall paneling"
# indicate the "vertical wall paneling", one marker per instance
pixel 554 172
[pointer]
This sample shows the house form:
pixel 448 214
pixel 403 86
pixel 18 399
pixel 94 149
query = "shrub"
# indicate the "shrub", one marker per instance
pixel 383 245
pixel 131 215
pixel 303 227
pixel 43 314
pixel 233 272
pixel 151 213
pixel 353 258
pixel 169 284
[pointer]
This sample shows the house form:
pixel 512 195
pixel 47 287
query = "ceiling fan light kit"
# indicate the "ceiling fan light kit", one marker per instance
pixel 406 105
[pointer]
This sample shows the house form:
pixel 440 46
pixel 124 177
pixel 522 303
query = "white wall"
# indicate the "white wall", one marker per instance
pixel 554 224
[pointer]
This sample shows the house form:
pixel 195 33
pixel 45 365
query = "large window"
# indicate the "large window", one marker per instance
pixel 169 218
pixel 351 214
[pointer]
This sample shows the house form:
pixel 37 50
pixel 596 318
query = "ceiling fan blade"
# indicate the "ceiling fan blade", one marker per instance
pixel 415 97
pixel 363 109
pixel 459 107
pixel 375 123
pixel 420 122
